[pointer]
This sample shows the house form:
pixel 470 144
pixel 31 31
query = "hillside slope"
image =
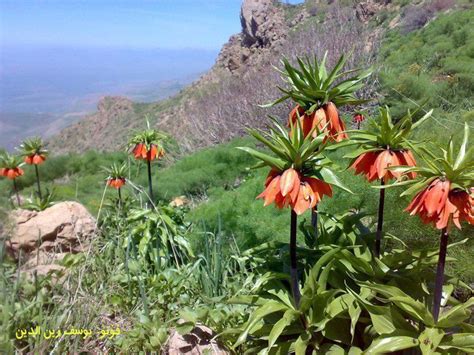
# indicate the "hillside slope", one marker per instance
pixel 224 101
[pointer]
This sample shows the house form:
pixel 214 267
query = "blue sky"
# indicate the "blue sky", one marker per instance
pixel 205 24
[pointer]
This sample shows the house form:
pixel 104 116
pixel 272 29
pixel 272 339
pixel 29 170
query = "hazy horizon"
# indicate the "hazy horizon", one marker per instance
pixel 58 58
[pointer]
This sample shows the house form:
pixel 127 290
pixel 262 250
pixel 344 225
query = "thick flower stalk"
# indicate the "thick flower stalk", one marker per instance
pixel 146 145
pixel 299 177
pixel 34 153
pixel 10 167
pixel 444 196
pixel 385 146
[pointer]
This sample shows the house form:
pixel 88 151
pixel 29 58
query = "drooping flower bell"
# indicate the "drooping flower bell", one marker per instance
pixel 141 151
pixel 324 119
pixel 11 173
pixel 375 164
pixel 35 159
pixel 439 204
pixel 116 175
pixel 10 166
pixel 116 182
pixel 290 188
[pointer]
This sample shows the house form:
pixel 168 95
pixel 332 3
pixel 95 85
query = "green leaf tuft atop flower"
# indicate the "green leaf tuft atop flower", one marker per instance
pixel 311 85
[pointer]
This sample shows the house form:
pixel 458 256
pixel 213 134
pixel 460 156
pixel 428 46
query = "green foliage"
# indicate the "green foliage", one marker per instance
pixel 312 84
pixel 36 203
pixel 218 166
pixel 33 146
pixel 340 310
pixel 435 64
pixel 10 161
pixel 384 134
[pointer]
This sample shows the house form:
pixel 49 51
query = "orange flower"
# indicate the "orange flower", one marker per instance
pixel 116 182
pixel 12 173
pixel 358 118
pixel 438 204
pixel 374 164
pixel 140 151
pixel 35 159
pixel 291 189
pixel 326 118
pixel 336 126
pixel 307 122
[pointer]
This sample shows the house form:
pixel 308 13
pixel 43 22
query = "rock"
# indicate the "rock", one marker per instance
pixel 263 27
pixel 64 227
pixel 180 201
pixel 199 341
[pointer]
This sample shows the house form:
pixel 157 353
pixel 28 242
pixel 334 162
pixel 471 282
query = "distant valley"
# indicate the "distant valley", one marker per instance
pixel 43 90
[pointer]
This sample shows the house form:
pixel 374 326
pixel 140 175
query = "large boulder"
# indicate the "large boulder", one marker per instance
pixel 42 238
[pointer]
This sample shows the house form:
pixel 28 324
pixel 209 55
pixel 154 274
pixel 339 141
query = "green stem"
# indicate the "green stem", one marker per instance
pixel 443 247
pixel 378 236
pixel 15 188
pixel 293 261
pixel 38 182
pixel 314 221
pixel 120 197
pixel 150 188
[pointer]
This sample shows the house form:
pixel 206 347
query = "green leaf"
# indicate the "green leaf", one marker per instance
pixel 456 315
pixel 414 308
pixel 340 63
pixel 276 102
pixel 391 344
pixel 462 150
pixel 423 119
pixel 288 318
pixel 460 341
pixel 302 343
pixel 268 308
pixel 271 161
pixel 331 178
pixel 184 328
pixel 429 340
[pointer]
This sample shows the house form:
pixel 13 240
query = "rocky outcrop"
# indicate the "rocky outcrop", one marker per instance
pixel 199 341
pixel 262 23
pixel 365 10
pixel 263 27
pixel 43 238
